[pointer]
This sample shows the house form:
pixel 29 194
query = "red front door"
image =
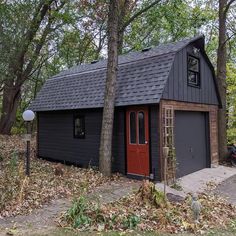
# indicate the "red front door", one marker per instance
pixel 137 141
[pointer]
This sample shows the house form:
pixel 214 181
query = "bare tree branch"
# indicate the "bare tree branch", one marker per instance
pixel 37 50
pixel 18 61
pixel 228 6
pixel 39 46
pixel 137 14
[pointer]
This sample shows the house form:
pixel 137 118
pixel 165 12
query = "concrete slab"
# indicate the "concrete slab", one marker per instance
pixel 227 189
pixel 197 181
pixel 160 186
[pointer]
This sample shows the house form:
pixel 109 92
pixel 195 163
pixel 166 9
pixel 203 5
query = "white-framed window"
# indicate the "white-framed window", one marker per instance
pixel 193 71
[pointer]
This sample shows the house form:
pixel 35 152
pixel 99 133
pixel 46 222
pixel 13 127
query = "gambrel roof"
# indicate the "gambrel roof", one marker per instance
pixel 141 80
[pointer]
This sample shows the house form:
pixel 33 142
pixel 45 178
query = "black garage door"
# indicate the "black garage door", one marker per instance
pixel 191 141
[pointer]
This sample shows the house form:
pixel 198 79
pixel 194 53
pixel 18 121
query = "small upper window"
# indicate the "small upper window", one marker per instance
pixel 193 71
pixel 79 127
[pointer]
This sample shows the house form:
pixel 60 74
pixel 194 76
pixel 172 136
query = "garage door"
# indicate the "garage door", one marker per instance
pixel 191 141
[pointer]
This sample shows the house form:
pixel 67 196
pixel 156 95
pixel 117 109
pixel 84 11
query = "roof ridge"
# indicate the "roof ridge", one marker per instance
pixel 105 68
pixel 141 81
pixel 129 57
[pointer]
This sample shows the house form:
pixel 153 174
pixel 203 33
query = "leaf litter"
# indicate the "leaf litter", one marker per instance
pixel 48 180
pixel 145 210
pixel 148 210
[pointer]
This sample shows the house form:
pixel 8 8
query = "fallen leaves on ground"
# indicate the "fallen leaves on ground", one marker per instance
pixel 20 194
pixel 147 210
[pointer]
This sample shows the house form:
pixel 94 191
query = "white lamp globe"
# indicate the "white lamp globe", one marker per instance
pixel 28 115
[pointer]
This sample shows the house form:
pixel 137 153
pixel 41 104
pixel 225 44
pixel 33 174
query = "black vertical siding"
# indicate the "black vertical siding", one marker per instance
pixel 119 151
pixel 154 138
pixel 177 87
pixel 56 141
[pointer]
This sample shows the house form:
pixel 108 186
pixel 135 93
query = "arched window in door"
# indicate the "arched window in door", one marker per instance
pixel 132 120
pixel 141 129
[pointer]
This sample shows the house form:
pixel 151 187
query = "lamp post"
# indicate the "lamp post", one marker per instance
pixel 28 116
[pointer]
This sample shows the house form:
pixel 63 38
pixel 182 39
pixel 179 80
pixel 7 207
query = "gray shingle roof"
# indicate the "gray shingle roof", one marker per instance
pixel 141 80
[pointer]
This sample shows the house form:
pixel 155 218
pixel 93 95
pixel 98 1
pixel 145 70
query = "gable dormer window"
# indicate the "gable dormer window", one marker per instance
pixel 193 71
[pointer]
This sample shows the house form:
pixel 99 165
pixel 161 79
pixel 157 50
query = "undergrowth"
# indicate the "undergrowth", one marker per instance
pixel 84 215
pixel 76 215
pixel 149 210
pixel 10 180
pixel 21 195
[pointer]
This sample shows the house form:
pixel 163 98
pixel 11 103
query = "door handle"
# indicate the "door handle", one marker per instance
pixel 146 142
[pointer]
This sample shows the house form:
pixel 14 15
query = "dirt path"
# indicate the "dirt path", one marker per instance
pixel 45 218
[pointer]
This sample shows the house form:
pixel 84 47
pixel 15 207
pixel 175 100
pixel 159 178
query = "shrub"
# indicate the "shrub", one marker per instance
pixel 76 214
pixel 148 192
pixel 131 221
pixel 13 164
pixel 10 181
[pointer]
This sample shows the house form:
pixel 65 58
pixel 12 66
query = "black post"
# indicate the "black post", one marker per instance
pixel 27 170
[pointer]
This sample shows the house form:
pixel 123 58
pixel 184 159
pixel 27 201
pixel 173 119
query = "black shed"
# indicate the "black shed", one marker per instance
pixel 166 96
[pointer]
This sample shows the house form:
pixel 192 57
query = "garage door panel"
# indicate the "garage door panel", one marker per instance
pixel 190 141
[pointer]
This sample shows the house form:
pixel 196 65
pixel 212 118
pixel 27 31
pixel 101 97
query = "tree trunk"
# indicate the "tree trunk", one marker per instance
pixel 221 79
pixel 20 65
pixel 10 102
pixel 123 10
pixel 105 151
pixel 120 42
